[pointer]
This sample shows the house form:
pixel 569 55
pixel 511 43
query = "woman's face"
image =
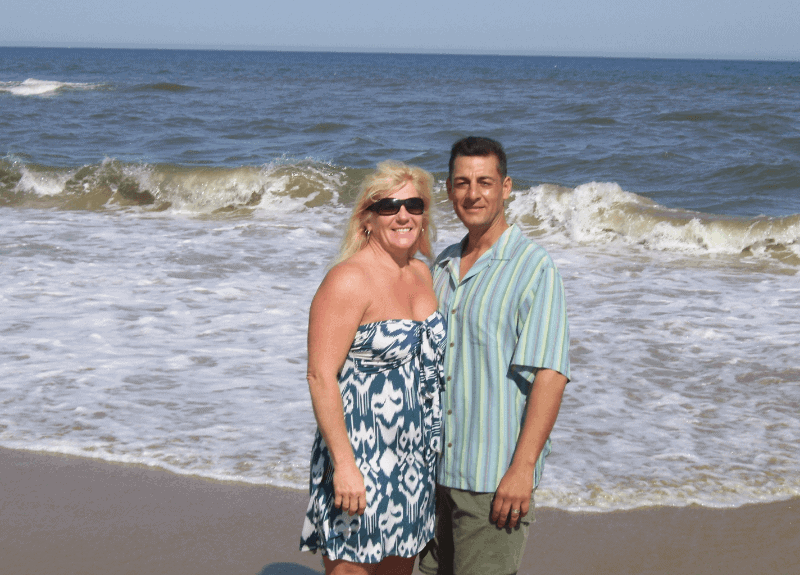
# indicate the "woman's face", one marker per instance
pixel 398 232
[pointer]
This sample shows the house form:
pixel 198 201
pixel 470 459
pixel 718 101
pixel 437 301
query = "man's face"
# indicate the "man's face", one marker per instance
pixel 477 191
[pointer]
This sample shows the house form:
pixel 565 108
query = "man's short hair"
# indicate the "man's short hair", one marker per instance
pixel 478 146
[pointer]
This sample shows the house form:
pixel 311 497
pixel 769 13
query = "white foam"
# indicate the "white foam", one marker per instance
pixel 180 343
pixel 43 183
pixel 33 87
pixel 603 213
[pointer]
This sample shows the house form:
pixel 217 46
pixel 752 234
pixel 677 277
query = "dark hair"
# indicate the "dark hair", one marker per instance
pixel 478 146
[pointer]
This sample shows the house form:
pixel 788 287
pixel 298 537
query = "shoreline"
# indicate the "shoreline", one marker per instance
pixel 69 514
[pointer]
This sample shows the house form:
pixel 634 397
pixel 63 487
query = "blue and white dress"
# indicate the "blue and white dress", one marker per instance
pixel 391 385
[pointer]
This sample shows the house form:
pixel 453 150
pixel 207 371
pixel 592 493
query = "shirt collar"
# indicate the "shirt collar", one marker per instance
pixel 503 247
pixel 501 250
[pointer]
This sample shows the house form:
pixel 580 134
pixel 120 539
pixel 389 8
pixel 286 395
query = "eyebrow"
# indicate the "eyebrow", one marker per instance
pixel 480 178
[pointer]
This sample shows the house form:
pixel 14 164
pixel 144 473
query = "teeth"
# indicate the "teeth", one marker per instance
pixel 402 230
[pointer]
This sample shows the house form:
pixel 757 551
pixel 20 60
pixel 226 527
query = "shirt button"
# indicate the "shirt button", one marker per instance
pixel 454 311
pixel 449 377
pixel 450 444
pixel 449 412
pixel 452 344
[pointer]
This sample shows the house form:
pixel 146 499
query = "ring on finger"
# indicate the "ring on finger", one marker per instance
pixel 515 512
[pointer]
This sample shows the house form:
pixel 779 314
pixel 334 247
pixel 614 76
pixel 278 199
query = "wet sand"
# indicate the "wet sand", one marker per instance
pixel 69 515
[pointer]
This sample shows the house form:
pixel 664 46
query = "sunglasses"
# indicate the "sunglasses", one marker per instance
pixel 390 206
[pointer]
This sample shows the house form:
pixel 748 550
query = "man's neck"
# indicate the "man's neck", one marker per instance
pixel 479 241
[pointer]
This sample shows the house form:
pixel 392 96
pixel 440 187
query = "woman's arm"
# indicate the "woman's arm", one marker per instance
pixel 336 312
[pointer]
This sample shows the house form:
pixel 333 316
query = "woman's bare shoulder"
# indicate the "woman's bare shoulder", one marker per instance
pixel 422 270
pixel 348 278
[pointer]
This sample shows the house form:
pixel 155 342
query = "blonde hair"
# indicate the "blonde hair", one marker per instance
pixel 389 177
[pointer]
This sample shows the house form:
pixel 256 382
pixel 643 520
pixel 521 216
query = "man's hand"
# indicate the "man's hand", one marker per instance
pixel 514 492
pixel 512 498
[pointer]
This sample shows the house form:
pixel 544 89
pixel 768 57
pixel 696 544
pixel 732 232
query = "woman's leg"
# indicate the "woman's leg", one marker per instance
pixel 392 565
pixel 342 567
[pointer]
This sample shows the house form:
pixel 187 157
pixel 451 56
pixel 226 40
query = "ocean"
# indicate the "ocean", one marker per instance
pixel 166 217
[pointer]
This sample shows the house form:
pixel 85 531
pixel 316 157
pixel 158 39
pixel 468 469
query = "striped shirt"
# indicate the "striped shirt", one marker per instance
pixel 505 319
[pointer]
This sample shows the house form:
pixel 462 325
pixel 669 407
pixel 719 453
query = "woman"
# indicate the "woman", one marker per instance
pixel 375 346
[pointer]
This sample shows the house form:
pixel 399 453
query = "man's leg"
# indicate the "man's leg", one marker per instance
pixel 437 557
pixel 476 546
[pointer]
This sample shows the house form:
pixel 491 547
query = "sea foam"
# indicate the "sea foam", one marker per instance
pixel 33 87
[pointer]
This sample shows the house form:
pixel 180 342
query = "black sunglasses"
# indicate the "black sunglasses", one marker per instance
pixel 390 206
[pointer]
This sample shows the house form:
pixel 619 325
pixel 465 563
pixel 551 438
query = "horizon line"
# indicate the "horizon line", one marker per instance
pixel 396 51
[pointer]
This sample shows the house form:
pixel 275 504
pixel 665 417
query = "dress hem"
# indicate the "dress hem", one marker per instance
pixel 321 550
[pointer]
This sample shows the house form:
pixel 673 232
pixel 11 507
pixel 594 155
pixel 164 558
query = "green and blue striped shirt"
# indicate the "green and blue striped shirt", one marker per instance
pixel 506 319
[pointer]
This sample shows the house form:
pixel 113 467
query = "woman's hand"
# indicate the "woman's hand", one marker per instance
pixel 348 488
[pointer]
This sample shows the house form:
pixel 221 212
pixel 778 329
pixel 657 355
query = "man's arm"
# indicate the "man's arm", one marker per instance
pixel 514 491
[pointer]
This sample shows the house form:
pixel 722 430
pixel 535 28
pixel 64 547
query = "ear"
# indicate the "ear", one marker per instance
pixel 507 183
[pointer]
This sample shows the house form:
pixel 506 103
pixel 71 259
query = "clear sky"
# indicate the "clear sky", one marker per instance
pixel 746 29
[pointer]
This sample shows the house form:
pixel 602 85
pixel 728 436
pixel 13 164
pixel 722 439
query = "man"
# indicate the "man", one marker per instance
pixel 506 366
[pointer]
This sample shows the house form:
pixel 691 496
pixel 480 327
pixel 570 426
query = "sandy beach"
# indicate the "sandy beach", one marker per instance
pixel 69 515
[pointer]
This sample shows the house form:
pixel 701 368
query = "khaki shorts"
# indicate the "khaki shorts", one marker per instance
pixel 466 543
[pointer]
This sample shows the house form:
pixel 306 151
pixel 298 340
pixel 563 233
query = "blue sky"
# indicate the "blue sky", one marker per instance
pixel 650 28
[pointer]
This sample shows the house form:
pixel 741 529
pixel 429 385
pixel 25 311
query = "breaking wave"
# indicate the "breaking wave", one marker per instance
pixel 112 185
pixel 33 87
pixel 603 213
pixel 593 213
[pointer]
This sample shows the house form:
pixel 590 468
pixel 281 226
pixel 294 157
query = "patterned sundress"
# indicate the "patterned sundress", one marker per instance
pixel 391 385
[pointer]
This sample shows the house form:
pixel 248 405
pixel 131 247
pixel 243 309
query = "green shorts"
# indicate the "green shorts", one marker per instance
pixel 466 543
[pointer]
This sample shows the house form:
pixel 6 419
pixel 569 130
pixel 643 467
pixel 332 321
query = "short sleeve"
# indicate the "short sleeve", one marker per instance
pixel 543 341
